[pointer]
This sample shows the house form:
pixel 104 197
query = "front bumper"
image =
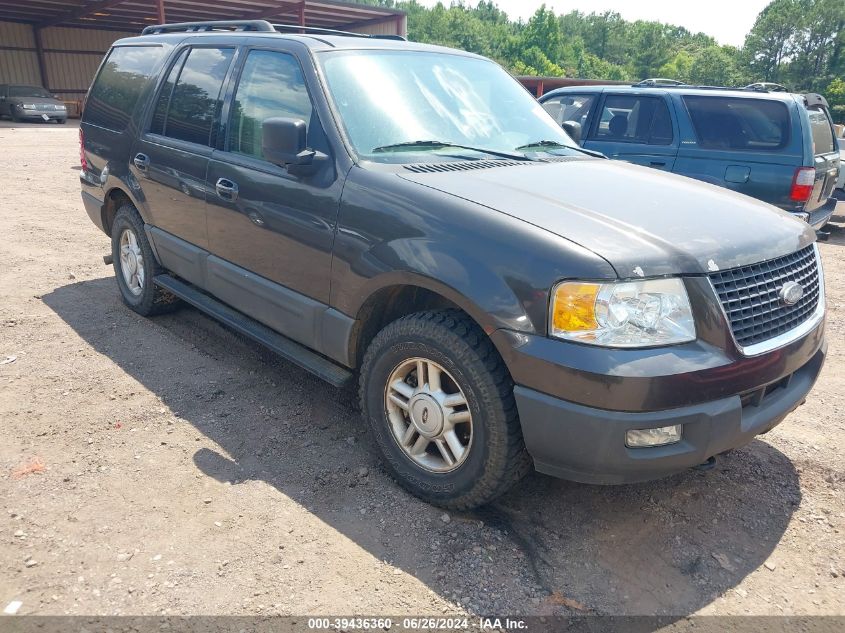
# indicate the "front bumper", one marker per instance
pixel 54 115
pixel 585 444
pixel 576 402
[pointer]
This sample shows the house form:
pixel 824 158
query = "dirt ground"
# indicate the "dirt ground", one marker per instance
pixel 180 469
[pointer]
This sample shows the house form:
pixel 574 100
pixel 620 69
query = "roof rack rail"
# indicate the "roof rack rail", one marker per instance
pixel 660 81
pixel 766 86
pixel 672 83
pixel 316 30
pixel 259 26
pixel 214 25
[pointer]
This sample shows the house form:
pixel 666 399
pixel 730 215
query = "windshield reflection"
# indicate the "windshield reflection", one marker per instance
pixel 391 97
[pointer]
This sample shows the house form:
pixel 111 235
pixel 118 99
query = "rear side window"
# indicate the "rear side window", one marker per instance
pixel 195 96
pixel 634 119
pixel 115 92
pixel 739 124
pixel 822 132
pixel 271 85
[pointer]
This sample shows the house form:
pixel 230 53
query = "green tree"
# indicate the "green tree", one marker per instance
pixel 679 67
pixel 797 42
pixel 543 32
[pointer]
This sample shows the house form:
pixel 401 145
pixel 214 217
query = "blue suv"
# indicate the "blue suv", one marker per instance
pixel 774 146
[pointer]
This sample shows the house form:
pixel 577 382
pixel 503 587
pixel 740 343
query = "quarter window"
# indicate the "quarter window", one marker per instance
pixel 634 119
pixel 116 90
pixel 195 96
pixel 738 124
pixel 271 85
pixel 822 132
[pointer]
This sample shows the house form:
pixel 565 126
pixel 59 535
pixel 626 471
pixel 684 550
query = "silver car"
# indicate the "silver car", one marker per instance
pixel 32 103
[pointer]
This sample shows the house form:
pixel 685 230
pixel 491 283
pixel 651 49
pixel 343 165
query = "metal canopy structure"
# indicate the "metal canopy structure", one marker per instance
pixel 132 15
pixel 59 43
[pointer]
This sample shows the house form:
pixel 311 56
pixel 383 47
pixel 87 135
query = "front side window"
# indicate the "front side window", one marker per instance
pixel 385 98
pixel 738 124
pixel 271 85
pixel 196 95
pixel 569 108
pixel 822 131
pixel 634 119
pixel 116 90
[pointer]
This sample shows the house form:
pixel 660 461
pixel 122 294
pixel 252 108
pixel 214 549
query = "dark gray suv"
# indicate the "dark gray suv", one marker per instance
pixel 410 215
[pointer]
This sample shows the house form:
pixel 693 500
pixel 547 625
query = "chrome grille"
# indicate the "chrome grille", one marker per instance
pixel 751 299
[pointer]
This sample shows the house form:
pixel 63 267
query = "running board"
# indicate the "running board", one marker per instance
pixel 281 345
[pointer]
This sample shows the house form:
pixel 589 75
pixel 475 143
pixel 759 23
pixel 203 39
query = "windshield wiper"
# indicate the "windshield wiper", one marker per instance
pixel 442 144
pixel 556 145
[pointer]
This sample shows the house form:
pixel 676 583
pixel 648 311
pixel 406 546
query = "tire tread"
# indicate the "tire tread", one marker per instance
pixel 511 462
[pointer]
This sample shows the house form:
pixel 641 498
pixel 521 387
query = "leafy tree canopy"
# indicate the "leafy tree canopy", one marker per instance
pixel 799 43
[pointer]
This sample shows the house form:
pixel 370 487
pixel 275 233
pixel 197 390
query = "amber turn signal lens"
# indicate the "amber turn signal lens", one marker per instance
pixel 574 307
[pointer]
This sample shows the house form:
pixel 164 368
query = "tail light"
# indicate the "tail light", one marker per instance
pixel 802 184
pixel 82 160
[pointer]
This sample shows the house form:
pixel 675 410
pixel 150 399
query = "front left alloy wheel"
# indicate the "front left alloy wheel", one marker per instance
pixel 439 401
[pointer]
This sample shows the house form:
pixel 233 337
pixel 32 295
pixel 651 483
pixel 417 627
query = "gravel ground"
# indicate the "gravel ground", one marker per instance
pixel 180 469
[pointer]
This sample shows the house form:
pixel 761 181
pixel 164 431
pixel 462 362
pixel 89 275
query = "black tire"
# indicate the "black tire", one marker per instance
pixel 61 121
pixel 497 458
pixel 151 299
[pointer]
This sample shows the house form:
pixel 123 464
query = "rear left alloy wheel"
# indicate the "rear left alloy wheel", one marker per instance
pixel 439 401
pixel 135 265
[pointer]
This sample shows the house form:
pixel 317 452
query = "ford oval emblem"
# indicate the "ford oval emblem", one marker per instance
pixel 791 293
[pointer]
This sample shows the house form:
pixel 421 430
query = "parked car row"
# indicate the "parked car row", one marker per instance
pixel 408 216
pixel 774 146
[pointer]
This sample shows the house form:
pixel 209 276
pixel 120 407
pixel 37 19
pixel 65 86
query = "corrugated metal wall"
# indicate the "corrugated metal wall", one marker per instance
pixel 71 57
pixel 385 28
pixel 18 66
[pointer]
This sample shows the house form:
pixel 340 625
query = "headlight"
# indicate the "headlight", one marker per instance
pixel 643 313
pixel 61 107
pixel 28 106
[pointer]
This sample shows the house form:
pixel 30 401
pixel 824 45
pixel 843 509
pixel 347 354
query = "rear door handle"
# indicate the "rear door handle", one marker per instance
pixel 226 189
pixel 142 161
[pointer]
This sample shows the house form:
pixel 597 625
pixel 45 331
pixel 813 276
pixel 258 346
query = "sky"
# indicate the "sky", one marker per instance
pixel 726 20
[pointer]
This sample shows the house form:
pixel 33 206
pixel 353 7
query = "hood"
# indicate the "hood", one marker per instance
pixel 644 222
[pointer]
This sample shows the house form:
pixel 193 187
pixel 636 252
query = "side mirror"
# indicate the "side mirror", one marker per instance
pixel 573 128
pixel 283 143
pixel 282 140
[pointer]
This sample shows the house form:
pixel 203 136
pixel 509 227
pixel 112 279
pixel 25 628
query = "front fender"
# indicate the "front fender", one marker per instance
pixel 497 268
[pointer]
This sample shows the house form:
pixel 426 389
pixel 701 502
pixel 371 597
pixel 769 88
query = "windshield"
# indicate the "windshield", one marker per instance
pixel 388 98
pixel 28 91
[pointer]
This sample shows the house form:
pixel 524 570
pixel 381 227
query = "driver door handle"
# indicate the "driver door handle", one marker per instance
pixel 226 189
pixel 142 161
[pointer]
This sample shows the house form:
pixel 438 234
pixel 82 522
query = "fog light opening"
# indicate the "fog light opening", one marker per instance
pixel 648 438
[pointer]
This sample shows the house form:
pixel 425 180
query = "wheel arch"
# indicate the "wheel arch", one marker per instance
pixel 400 295
pixel 113 200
